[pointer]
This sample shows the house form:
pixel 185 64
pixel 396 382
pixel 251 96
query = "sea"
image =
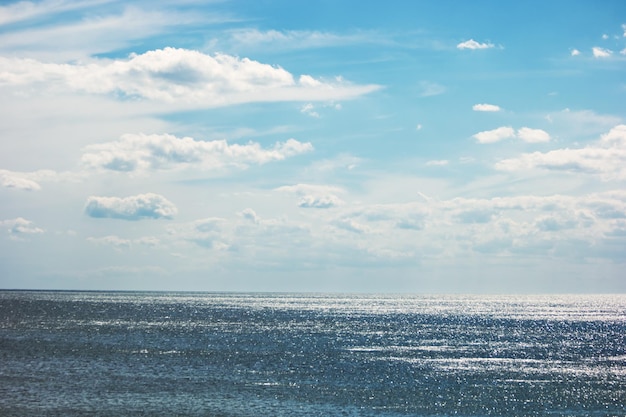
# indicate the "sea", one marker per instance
pixel 66 353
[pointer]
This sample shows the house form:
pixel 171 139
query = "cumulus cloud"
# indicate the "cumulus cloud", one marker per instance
pixel 142 206
pixel 314 196
pixel 18 181
pixel 601 52
pixel 533 135
pixel 606 158
pixel 495 135
pixel 173 75
pixel 486 107
pixel 138 152
pixel 575 52
pixel 472 44
pixel 20 226
pixel 525 133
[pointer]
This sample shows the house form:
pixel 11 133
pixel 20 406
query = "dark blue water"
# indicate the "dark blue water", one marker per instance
pixel 182 354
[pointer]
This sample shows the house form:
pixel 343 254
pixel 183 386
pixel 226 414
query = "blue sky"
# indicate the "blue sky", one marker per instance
pixel 313 146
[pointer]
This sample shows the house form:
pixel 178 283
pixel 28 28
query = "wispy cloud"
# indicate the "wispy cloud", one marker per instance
pixel 31 181
pixel 428 89
pixel 472 44
pixel 298 39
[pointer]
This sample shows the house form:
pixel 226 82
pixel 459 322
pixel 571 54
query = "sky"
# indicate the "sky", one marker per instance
pixel 353 146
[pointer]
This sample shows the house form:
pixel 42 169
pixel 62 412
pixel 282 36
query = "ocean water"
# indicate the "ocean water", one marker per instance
pixel 232 354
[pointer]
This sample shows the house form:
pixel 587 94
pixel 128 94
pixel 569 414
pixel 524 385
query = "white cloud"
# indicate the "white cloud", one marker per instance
pixel 605 36
pixel 486 107
pixel 309 109
pixel 472 44
pixel 605 158
pixel 24 10
pixel 139 152
pixel 575 52
pixel 495 135
pixel 18 181
pixel 20 226
pixel 91 27
pixel 583 117
pixel 30 181
pixel 533 135
pixel 173 75
pixel 351 225
pixel 340 162
pixel 525 133
pixel 296 39
pixel 601 52
pixel 250 215
pixel 111 240
pixel 314 196
pixel 120 243
pixel 142 206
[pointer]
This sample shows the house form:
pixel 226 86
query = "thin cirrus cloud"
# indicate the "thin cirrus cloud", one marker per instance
pixel 526 134
pixel 605 158
pixel 297 39
pixel 63 31
pixel 140 152
pixel 472 44
pixel 31 181
pixel 173 75
pixel 138 207
pixel 484 107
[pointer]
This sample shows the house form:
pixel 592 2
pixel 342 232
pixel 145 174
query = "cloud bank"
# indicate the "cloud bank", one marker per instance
pixel 177 75
pixel 140 152
pixel 605 158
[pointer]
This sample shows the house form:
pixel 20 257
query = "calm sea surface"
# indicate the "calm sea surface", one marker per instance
pixel 216 354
